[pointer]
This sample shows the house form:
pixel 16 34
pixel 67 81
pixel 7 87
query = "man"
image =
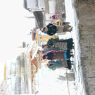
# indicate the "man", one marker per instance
pixel 53 55
pixel 58 54
pixel 50 29
pixel 52 42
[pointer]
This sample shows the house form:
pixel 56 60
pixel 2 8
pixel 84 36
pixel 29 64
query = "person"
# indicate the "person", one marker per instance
pixel 51 42
pixel 68 64
pixel 33 32
pixel 67 27
pixel 53 28
pixel 70 44
pixel 50 29
pixel 33 61
pixel 67 54
pixel 53 54
pixel 64 27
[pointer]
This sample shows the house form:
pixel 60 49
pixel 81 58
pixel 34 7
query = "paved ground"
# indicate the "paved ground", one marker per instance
pixel 87 41
pixel 55 82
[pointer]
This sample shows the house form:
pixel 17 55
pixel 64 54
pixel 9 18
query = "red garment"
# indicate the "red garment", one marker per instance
pixel 54 54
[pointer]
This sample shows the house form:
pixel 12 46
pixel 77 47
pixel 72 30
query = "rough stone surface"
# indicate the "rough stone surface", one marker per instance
pixel 87 41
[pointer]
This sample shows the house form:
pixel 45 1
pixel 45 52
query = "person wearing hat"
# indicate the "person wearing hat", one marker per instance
pixel 50 29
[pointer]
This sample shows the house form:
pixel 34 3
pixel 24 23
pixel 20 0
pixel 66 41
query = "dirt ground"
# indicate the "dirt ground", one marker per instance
pixel 86 15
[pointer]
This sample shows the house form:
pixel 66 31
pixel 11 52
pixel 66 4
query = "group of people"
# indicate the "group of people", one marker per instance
pixel 49 51
pixel 52 29
pixel 61 55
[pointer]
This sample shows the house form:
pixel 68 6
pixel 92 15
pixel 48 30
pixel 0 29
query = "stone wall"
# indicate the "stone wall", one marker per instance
pixel 87 1
pixel 87 41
